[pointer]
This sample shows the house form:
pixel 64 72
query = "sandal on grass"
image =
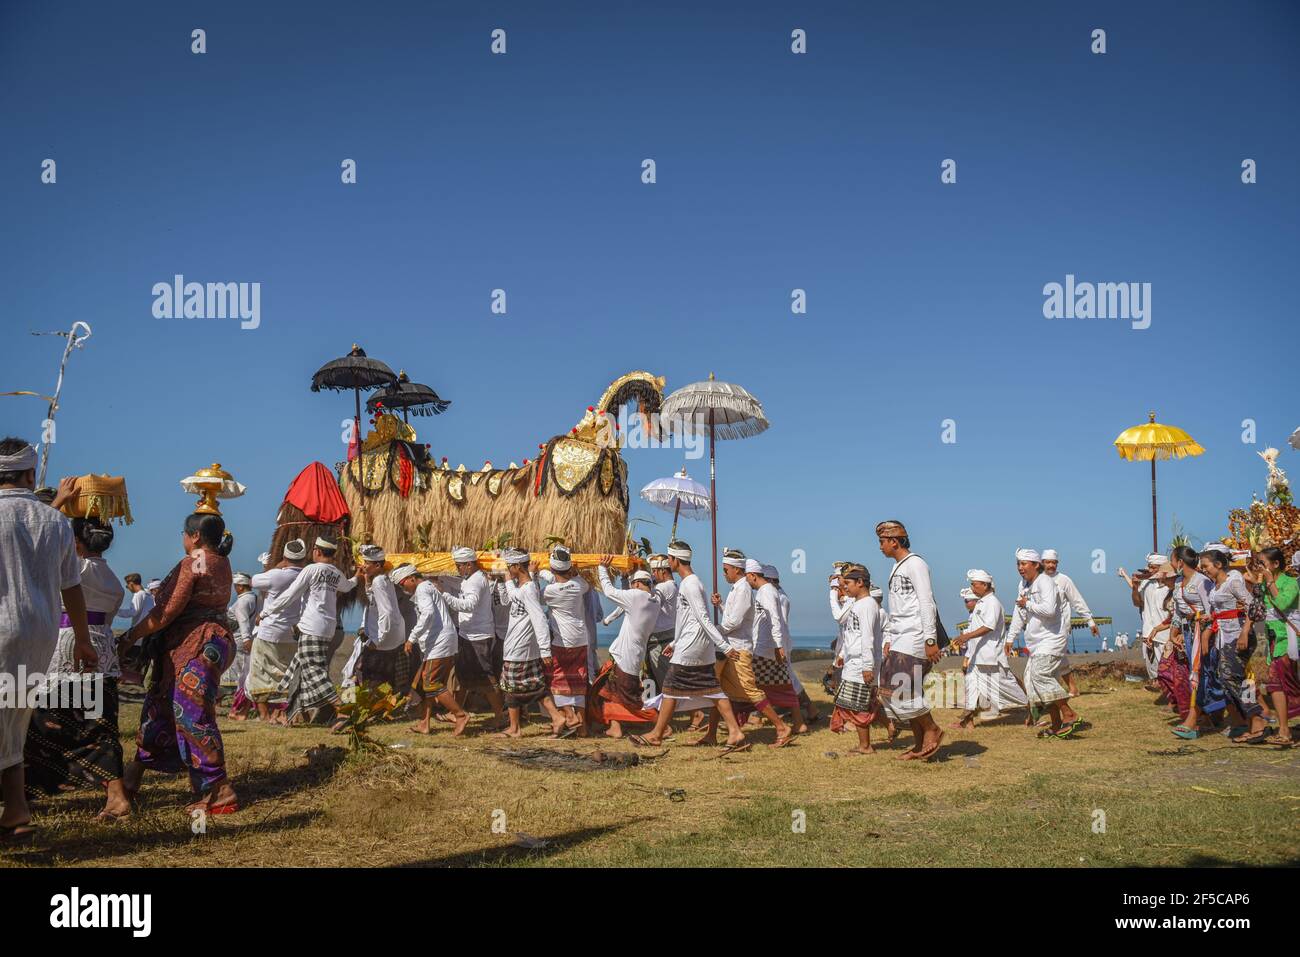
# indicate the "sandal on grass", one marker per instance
pixel 1190 734
pixel 17 833
pixel 1253 737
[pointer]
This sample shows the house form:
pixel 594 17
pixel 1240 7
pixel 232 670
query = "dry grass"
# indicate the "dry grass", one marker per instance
pixel 999 796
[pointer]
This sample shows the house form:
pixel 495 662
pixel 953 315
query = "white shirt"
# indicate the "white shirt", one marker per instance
pixel 37 561
pixel 435 625
pixel 839 608
pixel 385 629
pixel 769 624
pixel 1152 595
pixel 568 604
pixel 244 611
pixel 318 587
pixel 473 607
pixel 528 636
pixel 1073 598
pixel 641 610
pixel 277 626
pixel 137 607
pixel 737 624
pixel 987 649
pixel 694 636
pixel 668 599
pixel 912 611
pixel 863 629
pixel 1043 634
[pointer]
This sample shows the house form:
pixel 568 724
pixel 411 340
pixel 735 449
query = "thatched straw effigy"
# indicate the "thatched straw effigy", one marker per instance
pixel 575 491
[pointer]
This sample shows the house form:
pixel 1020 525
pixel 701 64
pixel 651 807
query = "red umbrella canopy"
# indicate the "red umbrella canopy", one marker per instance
pixel 316 494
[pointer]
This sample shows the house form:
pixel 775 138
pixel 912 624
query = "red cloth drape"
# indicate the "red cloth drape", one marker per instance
pixel 316 494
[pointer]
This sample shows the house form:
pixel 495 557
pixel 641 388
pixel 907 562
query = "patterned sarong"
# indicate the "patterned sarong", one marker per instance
pixel 616 696
pixel 1041 685
pixel 67 746
pixel 1175 680
pixel 773 679
pixel 902 685
pixel 307 683
pixel 433 677
pixel 855 703
pixel 568 675
pixel 478 663
pixel 691 681
pixel 523 682
pixel 267 664
pixel 1282 677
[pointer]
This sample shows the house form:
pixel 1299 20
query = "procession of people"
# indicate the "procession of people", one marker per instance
pixel 516 639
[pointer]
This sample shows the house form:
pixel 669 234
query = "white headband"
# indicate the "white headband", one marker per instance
pixel 372 553
pixel 681 552
pixel 463 555
pixel 561 559
pixel 153 583
pixel 1155 558
pixel 1027 555
pixel 733 557
pixel 659 562
pixel 642 576
pixel 1049 555
pixel 239 578
pixel 25 459
pixel 295 549
pixel 325 546
pixel 401 573
pixel 770 573
pixel 968 595
pixel 515 556
pixel 753 566
pixel 979 575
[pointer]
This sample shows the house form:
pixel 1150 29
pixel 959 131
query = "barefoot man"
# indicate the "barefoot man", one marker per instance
pixel 855 697
pixel 692 673
pixel 616 695
pixel 434 639
pixel 527 647
pixel 478 657
pixel 911 645
pixel 736 672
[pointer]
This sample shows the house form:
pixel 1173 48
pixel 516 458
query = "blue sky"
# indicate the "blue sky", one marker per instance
pixel 775 171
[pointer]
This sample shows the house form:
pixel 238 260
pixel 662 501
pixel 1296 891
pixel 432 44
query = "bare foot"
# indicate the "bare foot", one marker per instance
pixel 462 722
pixel 861 750
pixel 421 728
pixel 507 733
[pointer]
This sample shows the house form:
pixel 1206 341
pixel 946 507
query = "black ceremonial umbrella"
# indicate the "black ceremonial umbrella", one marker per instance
pixel 355 371
pixel 409 397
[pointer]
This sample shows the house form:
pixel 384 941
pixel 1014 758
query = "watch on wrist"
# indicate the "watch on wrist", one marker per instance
pixel 931 641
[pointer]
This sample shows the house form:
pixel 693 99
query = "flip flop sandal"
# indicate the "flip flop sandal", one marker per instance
pixel 1188 734
pixel 1279 741
pixel 1046 734
pixel 736 748
pixel 782 742
pixel 1254 737
pixel 566 733
pixel 639 741
pixel 931 751
pixel 23 833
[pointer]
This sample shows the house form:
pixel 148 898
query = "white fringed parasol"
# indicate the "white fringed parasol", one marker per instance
pixel 681 495
pixel 720 410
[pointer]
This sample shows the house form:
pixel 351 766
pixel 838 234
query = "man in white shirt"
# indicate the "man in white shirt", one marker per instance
pixel 771 651
pixel 807 710
pixel 736 671
pixel 910 646
pixel 243 615
pixel 138 604
pixel 434 641
pixel 306 686
pixel 856 702
pixel 1041 606
pixel 1075 605
pixel 526 652
pixel 565 595
pixel 692 673
pixel 40 581
pixel 617 692
pixel 274 643
pixel 662 636
pixel 384 657
pixel 1149 594
pixel 478 656
pixel 990 684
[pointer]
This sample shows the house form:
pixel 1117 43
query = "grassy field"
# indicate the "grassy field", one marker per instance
pixel 997 797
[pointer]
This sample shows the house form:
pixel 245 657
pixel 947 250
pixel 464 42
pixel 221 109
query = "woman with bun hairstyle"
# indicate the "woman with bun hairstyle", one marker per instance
pixel 191 646
pixel 73 740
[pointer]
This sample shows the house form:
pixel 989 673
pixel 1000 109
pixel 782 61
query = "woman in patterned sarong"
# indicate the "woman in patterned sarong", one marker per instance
pixel 191 646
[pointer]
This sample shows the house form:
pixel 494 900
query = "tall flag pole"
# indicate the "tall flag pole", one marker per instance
pixel 75 340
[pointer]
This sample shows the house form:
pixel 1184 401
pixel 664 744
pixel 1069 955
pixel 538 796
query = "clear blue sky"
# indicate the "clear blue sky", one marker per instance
pixel 775 171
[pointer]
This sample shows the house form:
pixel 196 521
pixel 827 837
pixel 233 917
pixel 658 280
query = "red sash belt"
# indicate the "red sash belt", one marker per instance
pixel 1219 616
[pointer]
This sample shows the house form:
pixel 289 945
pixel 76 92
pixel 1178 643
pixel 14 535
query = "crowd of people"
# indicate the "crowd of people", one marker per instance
pixel 517 638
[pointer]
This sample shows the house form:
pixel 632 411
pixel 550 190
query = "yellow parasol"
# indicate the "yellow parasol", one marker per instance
pixel 1150 441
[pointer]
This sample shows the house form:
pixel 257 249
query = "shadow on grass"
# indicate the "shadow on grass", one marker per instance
pixel 88 841
pixel 516 854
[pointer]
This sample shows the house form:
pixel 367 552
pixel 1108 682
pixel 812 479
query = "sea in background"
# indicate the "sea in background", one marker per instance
pixel 1081 640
